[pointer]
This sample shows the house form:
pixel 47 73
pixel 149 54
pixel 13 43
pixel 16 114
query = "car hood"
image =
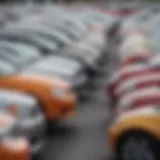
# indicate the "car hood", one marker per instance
pixel 39 79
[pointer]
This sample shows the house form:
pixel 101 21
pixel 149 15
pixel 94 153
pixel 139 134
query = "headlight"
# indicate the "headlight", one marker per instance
pixel 6 132
pixel 13 110
pixel 21 111
pixel 15 144
pixel 59 92
pixel 9 127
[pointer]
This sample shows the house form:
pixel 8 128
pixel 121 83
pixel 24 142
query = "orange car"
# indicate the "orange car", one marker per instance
pixel 12 148
pixel 55 97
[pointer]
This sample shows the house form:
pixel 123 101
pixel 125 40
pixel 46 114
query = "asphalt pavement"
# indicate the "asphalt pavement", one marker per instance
pixel 83 137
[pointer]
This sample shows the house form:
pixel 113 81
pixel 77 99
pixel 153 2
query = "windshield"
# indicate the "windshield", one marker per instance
pixel 63 62
pixel 16 57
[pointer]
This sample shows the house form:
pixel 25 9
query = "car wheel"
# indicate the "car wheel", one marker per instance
pixel 138 146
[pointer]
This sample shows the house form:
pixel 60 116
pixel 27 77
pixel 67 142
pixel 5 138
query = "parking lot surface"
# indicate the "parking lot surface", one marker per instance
pixel 83 137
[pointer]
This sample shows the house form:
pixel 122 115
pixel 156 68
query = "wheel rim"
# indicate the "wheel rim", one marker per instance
pixel 137 150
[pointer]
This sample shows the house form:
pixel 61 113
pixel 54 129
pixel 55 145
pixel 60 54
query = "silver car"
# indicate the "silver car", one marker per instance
pixel 30 119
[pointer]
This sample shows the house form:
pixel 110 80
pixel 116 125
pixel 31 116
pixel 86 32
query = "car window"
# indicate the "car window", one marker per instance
pixel 20 49
pixel 154 33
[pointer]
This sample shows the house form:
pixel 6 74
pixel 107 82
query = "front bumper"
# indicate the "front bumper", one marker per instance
pixel 18 150
pixel 34 129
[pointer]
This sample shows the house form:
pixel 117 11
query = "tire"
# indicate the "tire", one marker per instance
pixel 138 146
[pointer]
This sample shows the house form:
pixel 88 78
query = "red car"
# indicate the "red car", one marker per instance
pixel 122 82
pixel 138 98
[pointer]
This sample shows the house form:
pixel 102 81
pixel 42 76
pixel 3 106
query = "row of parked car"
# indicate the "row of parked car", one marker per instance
pixel 133 88
pixel 49 57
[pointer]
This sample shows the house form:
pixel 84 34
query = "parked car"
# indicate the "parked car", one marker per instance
pixel 12 146
pixel 71 30
pixel 55 96
pixel 53 35
pixel 44 45
pixel 65 68
pixel 123 80
pixel 19 54
pixel 138 98
pixel 28 114
pixel 134 134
